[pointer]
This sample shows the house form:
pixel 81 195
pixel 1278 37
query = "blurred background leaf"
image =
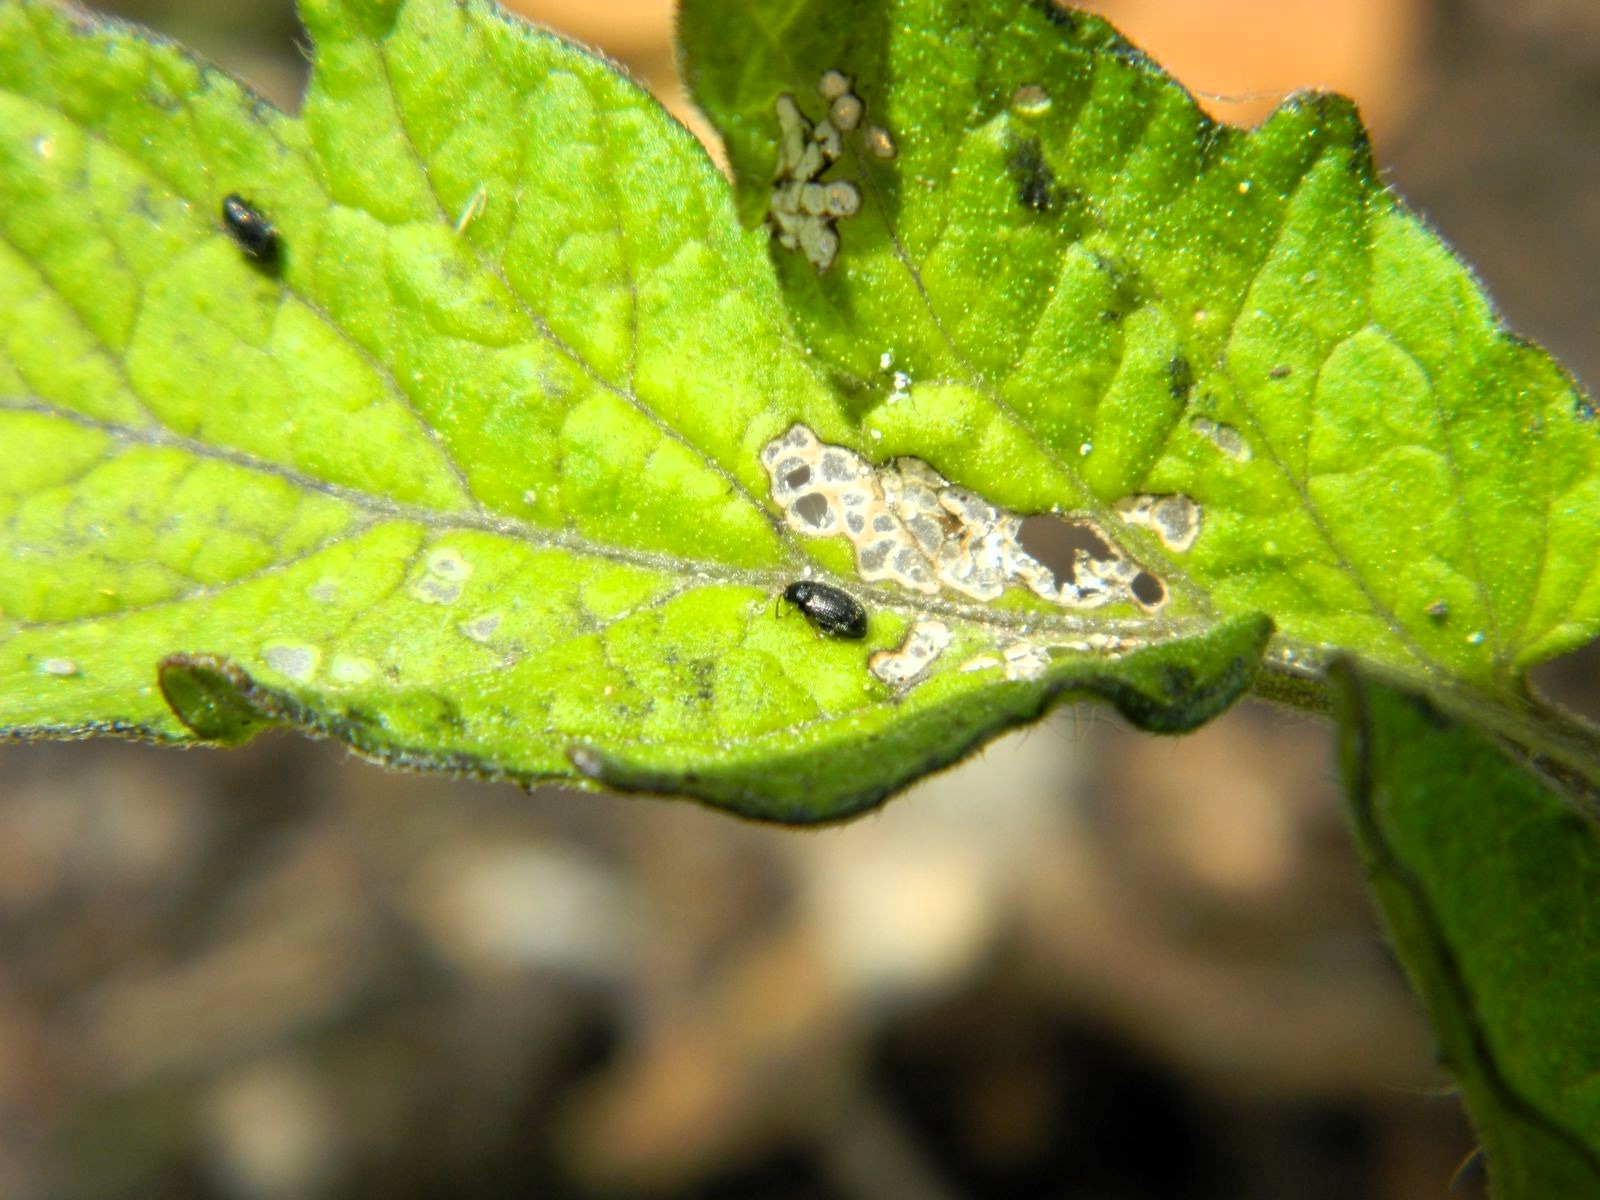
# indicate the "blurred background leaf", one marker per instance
pixel 1486 874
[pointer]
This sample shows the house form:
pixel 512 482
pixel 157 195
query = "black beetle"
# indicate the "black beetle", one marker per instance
pixel 250 230
pixel 830 609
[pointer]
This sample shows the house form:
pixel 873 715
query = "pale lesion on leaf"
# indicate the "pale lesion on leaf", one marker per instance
pixel 909 525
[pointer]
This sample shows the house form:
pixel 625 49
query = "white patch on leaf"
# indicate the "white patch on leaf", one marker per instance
pixel 297 660
pixel 921 648
pixel 349 669
pixel 444 574
pixel 1024 660
pixel 481 629
pixel 1224 437
pixel 909 525
pixel 1173 518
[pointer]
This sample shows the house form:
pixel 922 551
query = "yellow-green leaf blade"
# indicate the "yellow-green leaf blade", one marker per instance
pixel 1163 305
pixel 470 472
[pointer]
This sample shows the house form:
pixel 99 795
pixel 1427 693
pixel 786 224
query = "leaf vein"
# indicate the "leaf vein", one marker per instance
pixel 1302 492
pixel 101 348
pixel 544 330
pixel 207 591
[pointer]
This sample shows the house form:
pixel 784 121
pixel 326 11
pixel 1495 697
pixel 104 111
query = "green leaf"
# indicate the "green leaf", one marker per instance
pixel 476 472
pixel 1487 877
pixel 1065 254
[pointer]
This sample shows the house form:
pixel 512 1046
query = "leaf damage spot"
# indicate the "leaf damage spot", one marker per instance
pixel 444 574
pixel 348 669
pixel 804 211
pixel 1148 590
pixel 921 648
pixel 1180 377
pixel 909 525
pixel 297 660
pixel 1224 437
pixel 481 629
pixel 1022 661
pixel 1026 660
pixel 1174 518
pixel 1030 100
pixel 1036 182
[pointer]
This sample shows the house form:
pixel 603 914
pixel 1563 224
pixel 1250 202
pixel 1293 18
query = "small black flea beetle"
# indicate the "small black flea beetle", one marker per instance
pixel 829 609
pixel 250 230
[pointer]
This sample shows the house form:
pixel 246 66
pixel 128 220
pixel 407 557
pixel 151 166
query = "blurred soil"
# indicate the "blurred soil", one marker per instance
pixel 1090 964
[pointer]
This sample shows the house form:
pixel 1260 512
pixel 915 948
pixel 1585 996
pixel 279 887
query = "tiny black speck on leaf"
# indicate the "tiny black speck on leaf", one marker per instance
pixel 250 230
pixel 1180 377
pixel 1036 183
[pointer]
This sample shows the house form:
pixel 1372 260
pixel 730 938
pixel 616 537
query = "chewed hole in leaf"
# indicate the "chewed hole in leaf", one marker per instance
pixel 1173 518
pixel 921 648
pixel 1224 437
pixel 1148 590
pixel 909 525
pixel 1572 681
pixel 1057 542
pixel 812 509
